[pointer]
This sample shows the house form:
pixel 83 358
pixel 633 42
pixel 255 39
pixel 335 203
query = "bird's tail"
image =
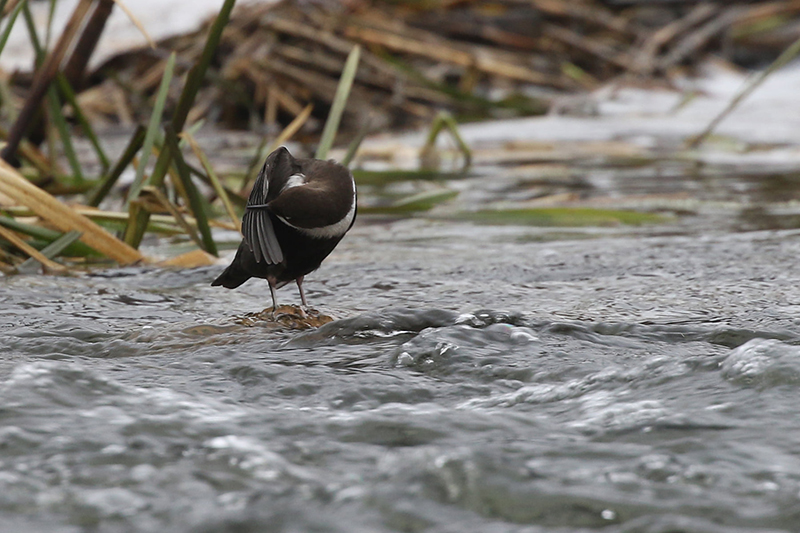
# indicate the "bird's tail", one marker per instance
pixel 231 277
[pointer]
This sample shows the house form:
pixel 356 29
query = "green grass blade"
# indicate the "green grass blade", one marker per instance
pixel 10 24
pixel 200 209
pixel 50 17
pixel 152 128
pixel 58 120
pixel 138 219
pixel 5 97
pixel 50 251
pixel 446 120
pixel 423 201
pixel 135 230
pixel 750 85
pixel 69 95
pixel 198 71
pixel 339 102
pixel 39 51
pixel 563 216
pixel 105 186
pixel 428 154
pixel 47 235
pixel 191 131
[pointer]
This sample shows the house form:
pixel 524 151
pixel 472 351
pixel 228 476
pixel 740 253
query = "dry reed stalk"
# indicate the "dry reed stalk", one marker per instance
pixel 118 216
pixel 591 13
pixel 699 38
pixel 75 64
pixel 294 126
pixel 136 22
pixel 10 6
pixel 649 50
pixel 768 10
pixel 590 46
pixel 218 188
pixel 162 201
pixel 479 58
pixel 62 217
pixel 285 99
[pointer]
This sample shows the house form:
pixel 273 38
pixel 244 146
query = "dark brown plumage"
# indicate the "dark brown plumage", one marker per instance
pixel 297 213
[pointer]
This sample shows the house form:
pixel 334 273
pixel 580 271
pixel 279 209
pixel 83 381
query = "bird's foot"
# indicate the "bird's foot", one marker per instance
pixel 284 311
pixel 287 317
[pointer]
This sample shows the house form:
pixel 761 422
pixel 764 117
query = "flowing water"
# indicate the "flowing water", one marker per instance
pixel 477 378
pixel 483 379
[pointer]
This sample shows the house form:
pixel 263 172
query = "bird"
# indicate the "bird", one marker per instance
pixel 298 211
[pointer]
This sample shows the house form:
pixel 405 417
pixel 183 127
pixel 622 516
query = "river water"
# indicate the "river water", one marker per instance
pixel 486 378
pixel 477 378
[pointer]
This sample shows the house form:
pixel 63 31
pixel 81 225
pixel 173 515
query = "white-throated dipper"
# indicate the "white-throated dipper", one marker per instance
pixel 297 213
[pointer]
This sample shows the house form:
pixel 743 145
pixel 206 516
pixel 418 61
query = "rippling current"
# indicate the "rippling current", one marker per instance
pixel 476 379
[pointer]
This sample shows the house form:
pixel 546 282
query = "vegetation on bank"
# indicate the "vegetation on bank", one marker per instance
pixel 286 71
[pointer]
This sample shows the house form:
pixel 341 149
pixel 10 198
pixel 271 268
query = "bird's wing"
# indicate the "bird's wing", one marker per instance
pixel 257 226
pixel 319 194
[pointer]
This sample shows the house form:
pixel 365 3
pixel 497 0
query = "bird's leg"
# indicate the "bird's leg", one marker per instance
pixel 272 292
pixel 299 282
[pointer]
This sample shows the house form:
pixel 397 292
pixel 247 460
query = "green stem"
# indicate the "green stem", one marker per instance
pixel 200 209
pixel 339 102
pixel 152 128
pixel 97 195
pixel 139 217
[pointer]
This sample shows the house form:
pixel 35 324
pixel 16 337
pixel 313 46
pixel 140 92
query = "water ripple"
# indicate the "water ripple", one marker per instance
pixel 622 385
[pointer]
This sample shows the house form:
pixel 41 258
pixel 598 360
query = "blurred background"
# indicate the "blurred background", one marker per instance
pixel 612 105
